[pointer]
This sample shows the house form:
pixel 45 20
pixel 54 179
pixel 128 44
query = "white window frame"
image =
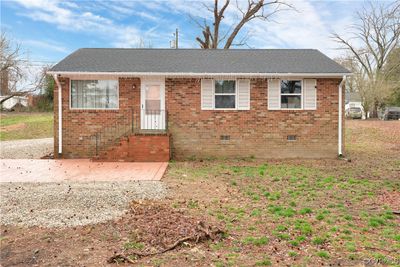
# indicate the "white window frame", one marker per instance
pixel 235 94
pixel 295 94
pixel 70 94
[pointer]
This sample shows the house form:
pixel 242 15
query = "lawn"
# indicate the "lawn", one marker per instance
pixel 302 212
pixel 25 125
pixel 273 212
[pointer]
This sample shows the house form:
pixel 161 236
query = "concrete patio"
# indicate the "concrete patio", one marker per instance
pixel 78 170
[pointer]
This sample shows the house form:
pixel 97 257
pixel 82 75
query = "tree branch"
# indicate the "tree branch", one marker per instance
pixel 256 9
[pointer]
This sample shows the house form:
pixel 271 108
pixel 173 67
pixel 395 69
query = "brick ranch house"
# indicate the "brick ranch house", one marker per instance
pixel 154 104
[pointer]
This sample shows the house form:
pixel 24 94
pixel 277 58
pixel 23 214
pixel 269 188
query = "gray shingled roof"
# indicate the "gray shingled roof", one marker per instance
pixel 199 61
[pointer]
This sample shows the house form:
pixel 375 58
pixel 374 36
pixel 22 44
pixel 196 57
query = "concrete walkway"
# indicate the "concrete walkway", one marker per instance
pixel 82 170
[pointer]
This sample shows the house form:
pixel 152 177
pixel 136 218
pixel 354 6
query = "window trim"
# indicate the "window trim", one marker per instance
pixel 235 94
pixel 106 109
pixel 296 94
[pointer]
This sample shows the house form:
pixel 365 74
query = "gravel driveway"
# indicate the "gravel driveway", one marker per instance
pixel 26 149
pixel 72 203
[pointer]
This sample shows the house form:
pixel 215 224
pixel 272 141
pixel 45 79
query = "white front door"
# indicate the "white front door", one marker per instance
pixel 153 105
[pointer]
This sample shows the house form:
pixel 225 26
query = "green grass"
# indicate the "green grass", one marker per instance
pixel 299 206
pixel 26 126
pixel 133 245
pixel 256 241
pixel 323 254
pixel 319 240
pixel 305 211
pixel 311 211
pixel 264 262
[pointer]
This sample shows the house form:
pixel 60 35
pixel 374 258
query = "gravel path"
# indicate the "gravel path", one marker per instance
pixel 71 204
pixel 26 149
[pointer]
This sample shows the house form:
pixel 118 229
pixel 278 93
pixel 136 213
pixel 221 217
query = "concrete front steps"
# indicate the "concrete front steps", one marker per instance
pixel 138 147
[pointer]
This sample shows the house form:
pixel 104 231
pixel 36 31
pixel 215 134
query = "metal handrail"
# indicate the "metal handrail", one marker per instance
pixel 146 121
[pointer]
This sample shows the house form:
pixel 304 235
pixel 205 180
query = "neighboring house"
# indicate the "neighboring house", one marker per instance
pixel 353 99
pixel 148 104
pixel 15 102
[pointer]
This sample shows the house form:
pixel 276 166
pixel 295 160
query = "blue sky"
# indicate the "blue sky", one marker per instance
pixel 51 29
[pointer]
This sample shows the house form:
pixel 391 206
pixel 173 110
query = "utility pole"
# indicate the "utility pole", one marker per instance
pixel 174 43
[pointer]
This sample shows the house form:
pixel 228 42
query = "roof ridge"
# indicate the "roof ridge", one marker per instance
pixel 199 49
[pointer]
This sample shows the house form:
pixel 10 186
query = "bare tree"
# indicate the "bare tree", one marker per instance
pixel 377 34
pixel 9 64
pixel 393 67
pixel 142 44
pixel 13 71
pixel 212 37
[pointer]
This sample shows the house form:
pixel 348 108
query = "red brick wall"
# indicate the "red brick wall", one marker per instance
pixel 139 147
pixel 81 126
pixel 149 148
pixel 196 133
pixel 257 132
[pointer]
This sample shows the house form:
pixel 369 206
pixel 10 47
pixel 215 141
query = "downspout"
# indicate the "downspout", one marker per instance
pixel 340 130
pixel 55 76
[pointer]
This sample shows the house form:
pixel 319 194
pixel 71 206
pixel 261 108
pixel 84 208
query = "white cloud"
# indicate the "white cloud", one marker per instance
pixel 64 18
pixel 311 27
pixel 54 12
pixel 46 45
pixel 130 37
pixel 307 28
pixel 147 16
pixel 70 4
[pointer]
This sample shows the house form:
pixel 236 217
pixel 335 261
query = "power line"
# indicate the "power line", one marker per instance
pixel 37 61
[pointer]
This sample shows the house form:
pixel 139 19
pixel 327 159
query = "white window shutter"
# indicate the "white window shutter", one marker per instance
pixel 207 94
pixel 273 94
pixel 310 94
pixel 243 94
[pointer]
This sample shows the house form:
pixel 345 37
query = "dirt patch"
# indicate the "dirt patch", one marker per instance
pixel 162 229
pixel 13 127
pixel 147 227
pixel 158 226
pixel 391 199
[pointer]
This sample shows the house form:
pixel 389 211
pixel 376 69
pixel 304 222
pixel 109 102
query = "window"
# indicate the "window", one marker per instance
pixel 225 94
pixel 94 94
pixel 291 94
pixel 153 99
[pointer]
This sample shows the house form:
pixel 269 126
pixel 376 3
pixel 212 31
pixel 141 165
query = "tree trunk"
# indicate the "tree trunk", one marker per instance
pixel 374 111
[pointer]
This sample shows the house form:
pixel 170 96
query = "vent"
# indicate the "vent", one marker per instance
pixel 224 137
pixel 291 137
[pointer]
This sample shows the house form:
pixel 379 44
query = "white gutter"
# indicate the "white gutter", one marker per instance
pixel 340 130
pixel 55 76
pixel 196 74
